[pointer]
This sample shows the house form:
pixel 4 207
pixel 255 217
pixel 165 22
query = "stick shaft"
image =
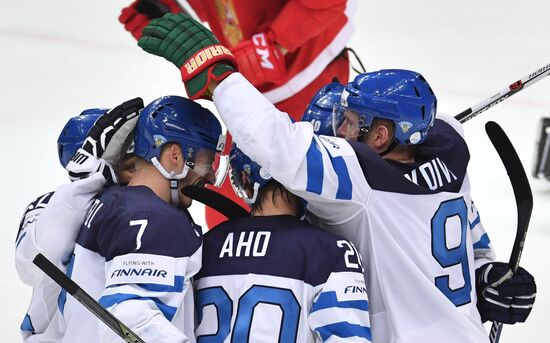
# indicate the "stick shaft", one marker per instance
pixel 504 94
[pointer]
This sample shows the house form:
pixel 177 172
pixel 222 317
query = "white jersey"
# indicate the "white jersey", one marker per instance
pixel 277 279
pixel 415 225
pixel 136 255
pixel 49 226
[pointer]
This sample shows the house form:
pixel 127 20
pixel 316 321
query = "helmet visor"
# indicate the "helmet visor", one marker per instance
pixel 346 123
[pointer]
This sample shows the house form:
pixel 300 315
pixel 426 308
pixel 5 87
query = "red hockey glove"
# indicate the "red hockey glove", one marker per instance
pixel 192 48
pixel 260 60
pixel 136 16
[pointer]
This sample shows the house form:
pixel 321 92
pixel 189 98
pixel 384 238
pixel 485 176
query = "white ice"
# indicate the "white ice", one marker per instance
pixel 60 57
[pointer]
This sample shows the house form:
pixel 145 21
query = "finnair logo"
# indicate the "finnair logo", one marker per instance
pixel 139 272
pixel 355 289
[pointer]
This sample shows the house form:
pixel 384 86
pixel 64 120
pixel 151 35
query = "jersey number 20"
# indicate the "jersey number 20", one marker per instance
pixel 457 255
pixel 255 295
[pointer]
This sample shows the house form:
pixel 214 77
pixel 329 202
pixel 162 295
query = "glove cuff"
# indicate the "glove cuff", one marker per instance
pixel 212 63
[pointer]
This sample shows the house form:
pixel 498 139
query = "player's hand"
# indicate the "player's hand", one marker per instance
pixel 106 143
pixel 137 15
pixel 502 296
pixel 260 60
pixel 192 48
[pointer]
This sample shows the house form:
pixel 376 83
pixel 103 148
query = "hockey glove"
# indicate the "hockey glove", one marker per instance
pixel 502 296
pixel 106 143
pixel 136 16
pixel 260 60
pixel 192 48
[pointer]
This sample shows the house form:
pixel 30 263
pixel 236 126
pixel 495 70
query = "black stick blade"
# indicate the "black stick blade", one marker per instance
pixel 520 185
pixel 215 200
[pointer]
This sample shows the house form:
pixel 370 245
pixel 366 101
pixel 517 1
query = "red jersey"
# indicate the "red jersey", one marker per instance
pixel 313 31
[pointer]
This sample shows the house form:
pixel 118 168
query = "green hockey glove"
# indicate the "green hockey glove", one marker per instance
pixel 192 48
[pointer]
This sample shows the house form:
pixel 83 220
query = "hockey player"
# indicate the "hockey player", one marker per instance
pixel 50 223
pixel 287 49
pixel 397 187
pixel 138 247
pixel 271 277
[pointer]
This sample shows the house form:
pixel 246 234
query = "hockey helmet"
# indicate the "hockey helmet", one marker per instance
pixel 319 111
pixel 401 96
pixel 246 175
pixel 74 133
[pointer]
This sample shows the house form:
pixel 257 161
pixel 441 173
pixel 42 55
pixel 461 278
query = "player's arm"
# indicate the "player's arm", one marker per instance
pixel 340 309
pixel 311 167
pixel 149 266
pixel 483 248
pixel 52 231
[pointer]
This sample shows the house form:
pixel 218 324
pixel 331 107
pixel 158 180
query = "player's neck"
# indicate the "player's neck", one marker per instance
pixel 403 154
pixel 150 177
pixel 277 206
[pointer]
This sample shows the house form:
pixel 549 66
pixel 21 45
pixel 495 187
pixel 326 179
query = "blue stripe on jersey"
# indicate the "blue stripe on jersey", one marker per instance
pixel 344 181
pixel 314 160
pixel 344 330
pixel 153 287
pixel 20 239
pixel 475 222
pixel 483 242
pixel 329 300
pixel 26 325
pixel 113 299
pixel 63 294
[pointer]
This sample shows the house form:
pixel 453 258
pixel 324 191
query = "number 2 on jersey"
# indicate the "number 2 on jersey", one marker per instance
pixel 441 226
pixel 255 295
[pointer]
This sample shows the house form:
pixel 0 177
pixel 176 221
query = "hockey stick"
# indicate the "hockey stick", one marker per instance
pixel 216 201
pixel 504 94
pixel 523 195
pixel 85 299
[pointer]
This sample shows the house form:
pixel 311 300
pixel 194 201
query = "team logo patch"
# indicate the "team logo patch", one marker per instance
pixel 405 126
pixel 159 140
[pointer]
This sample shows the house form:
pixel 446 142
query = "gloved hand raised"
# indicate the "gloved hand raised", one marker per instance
pixel 138 14
pixel 106 143
pixel 192 48
pixel 502 296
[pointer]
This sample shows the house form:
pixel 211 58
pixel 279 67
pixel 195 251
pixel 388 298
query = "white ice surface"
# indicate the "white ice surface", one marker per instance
pixel 59 57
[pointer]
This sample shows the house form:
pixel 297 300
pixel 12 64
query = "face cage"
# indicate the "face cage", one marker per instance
pixel 241 183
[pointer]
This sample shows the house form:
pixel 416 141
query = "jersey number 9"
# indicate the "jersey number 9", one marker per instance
pixel 441 226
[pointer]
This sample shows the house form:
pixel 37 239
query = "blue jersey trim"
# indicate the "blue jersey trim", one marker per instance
pixel 344 330
pixel 475 222
pixel 330 300
pixel 63 294
pixel 314 169
pixel 20 239
pixel 483 242
pixel 26 325
pixel 344 180
pixel 153 287
pixel 113 299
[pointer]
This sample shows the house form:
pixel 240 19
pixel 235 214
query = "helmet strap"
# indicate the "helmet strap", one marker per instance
pixel 173 177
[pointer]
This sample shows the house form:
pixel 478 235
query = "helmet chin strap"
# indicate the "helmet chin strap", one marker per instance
pixel 173 177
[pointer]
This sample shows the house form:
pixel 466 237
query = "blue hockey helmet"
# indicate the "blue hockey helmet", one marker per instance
pixel 74 133
pixel 246 175
pixel 174 119
pixel 401 96
pixel 319 111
